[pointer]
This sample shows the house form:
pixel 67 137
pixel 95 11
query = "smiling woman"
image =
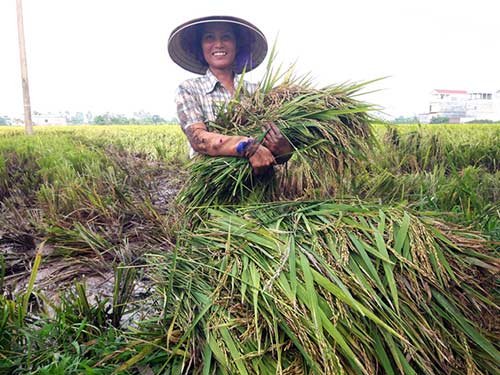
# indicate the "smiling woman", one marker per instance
pixel 220 48
pixel 218 44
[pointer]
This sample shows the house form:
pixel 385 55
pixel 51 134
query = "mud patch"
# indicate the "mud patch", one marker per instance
pixel 68 259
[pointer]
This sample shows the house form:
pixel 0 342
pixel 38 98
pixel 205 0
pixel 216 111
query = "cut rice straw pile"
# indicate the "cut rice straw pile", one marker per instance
pixel 329 130
pixel 330 288
pixel 315 286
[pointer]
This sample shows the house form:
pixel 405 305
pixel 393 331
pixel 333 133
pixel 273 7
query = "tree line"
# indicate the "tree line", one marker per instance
pixel 79 118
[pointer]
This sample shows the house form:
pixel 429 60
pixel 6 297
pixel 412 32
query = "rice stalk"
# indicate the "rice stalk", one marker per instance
pixel 344 287
pixel 328 128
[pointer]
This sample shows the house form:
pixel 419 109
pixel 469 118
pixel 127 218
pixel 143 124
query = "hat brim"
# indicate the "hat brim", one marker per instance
pixel 185 49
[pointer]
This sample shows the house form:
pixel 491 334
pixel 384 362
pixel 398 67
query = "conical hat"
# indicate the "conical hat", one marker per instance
pixel 184 44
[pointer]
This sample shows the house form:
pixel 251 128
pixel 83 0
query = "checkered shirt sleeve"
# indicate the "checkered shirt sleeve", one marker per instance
pixel 189 110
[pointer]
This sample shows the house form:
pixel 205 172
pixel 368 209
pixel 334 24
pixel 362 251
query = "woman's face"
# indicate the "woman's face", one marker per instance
pixel 218 43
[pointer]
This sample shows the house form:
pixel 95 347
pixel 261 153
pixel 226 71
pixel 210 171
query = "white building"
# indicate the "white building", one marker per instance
pixel 483 106
pixel 461 106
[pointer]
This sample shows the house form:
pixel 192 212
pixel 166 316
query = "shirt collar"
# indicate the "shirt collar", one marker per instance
pixel 212 81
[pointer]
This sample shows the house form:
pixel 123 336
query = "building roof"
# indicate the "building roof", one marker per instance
pixel 439 91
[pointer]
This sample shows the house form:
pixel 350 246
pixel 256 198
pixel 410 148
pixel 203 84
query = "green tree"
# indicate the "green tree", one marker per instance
pixel 158 119
pixel 173 121
pixel 405 120
pixel 440 120
pixel 102 119
pixel 77 119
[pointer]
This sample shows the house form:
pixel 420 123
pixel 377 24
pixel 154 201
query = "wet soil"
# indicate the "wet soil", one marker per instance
pixel 158 182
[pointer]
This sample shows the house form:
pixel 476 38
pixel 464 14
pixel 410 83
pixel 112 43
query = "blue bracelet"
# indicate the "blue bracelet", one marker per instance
pixel 242 146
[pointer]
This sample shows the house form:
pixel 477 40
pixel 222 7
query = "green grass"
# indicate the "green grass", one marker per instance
pixel 74 338
pixel 449 168
pixel 420 148
pixel 156 142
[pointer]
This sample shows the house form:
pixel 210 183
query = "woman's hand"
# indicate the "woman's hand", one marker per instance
pixel 276 142
pixel 261 159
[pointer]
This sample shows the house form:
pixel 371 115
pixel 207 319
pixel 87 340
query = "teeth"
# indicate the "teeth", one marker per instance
pixel 219 53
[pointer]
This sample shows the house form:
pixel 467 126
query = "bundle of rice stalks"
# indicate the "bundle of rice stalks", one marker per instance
pixel 329 130
pixel 322 287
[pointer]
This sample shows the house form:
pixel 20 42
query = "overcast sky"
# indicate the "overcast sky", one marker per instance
pixel 110 55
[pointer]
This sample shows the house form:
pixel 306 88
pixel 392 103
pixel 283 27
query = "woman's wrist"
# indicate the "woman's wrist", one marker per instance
pixel 247 148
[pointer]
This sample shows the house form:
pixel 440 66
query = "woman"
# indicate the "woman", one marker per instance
pixel 219 48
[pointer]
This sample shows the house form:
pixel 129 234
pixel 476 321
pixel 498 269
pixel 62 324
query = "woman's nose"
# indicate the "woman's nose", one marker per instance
pixel 218 42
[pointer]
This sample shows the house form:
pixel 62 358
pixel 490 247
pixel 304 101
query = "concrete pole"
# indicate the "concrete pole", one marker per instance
pixel 28 125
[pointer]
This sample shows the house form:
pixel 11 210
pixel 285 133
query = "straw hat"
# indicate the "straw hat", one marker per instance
pixel 184 44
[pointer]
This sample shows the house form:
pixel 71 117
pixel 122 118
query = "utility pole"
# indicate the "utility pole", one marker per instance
pixel 28 126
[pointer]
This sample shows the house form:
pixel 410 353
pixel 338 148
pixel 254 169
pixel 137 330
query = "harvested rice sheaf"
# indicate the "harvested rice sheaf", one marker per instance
pixel 262 284
pixel 328 128
pixel 328 287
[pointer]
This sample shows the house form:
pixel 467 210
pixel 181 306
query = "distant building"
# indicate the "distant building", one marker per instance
pixel 462 106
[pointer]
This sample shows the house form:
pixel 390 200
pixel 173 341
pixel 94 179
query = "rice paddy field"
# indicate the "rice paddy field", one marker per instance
pixel 388 267
pixel 103 270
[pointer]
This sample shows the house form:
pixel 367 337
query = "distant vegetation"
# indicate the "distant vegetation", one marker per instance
pixel 440 120
pixel 405 120
pixel 108 118
pixel 483 122
pixel 436 120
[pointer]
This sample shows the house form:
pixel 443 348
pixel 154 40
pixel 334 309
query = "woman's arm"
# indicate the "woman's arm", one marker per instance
pixel 215 144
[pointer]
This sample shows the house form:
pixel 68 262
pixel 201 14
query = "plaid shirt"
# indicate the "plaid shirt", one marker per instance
pixel 198 99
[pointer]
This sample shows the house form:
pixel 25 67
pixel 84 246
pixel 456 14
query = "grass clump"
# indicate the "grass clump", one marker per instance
pixel 73 336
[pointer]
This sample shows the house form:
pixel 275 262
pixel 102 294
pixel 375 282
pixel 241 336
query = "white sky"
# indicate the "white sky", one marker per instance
pixel 110 55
